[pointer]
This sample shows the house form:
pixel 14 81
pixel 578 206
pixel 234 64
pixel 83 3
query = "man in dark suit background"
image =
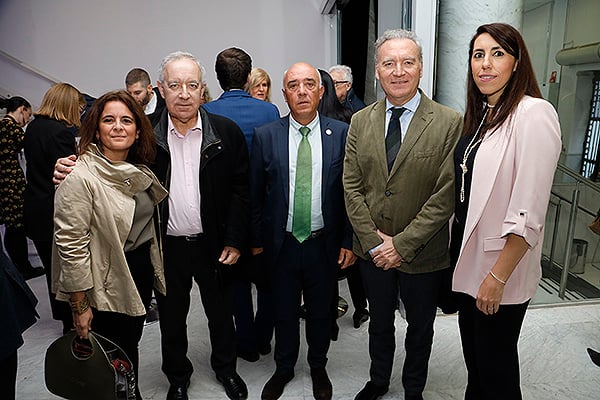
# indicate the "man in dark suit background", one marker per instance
pixel 298 221
pixel 399 189
pixel 253 334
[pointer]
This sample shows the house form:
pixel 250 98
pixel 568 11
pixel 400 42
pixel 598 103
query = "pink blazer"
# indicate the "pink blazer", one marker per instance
pixel 512 178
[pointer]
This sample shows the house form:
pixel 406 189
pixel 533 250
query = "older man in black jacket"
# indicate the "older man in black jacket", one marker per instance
pixel 203 159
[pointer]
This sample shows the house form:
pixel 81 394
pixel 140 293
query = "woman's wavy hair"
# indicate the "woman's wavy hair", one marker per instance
pixel 143 150
pixel 521 83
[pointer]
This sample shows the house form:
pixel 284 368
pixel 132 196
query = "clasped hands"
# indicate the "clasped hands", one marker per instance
pixel 385 256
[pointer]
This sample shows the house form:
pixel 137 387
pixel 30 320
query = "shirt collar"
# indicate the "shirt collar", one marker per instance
pixel 311 125
pixel 410 105
pixel 171 128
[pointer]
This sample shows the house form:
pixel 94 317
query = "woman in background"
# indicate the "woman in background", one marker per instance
pixel 504 165
pixel 108 256
pixel 49 137
pixel 12 183
pixel 259 84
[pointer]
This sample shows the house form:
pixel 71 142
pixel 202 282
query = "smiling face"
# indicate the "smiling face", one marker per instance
pixel 302 91
pixel 399 70
pixel 182 90
pixel 260 90
pixel 491 66
pixel 117 131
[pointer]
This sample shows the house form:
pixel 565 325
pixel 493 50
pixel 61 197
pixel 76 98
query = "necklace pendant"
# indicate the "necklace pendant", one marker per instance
pixel 463 167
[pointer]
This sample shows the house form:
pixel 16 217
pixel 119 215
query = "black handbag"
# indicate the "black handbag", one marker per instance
pixel 90 369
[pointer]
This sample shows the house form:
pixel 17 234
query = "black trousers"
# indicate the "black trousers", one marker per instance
pixel 15 243
pixel 356 287
pixel 8 376
pixel 126 330
pixel 253 331
pixel 302 270
pixel 489 345
pixel 60 309
pixel 185 262
pixel 419 293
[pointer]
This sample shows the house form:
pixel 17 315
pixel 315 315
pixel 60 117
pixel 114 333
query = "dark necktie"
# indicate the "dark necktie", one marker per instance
pixel 301 227
pixel 393 137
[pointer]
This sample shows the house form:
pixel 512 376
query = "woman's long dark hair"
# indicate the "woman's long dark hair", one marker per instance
pixel 521 83
pixel 329 105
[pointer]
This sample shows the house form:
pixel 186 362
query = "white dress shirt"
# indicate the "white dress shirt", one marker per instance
pixel 316 147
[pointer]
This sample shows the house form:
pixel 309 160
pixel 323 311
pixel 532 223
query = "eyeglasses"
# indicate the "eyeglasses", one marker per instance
pixel 338 83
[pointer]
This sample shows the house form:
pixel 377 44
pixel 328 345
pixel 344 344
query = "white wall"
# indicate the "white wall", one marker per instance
pixel 92 44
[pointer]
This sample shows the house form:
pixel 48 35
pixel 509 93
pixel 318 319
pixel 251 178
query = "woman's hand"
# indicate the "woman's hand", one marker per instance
pixel 83 323
pixel 489 295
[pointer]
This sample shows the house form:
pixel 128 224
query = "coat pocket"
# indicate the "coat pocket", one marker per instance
pixel 493 244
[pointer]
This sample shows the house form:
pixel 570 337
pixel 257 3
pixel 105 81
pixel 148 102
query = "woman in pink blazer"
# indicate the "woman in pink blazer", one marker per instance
pixel 504 166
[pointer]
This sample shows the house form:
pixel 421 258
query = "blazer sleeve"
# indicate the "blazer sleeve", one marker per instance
pixel 538 146
pixel 257 193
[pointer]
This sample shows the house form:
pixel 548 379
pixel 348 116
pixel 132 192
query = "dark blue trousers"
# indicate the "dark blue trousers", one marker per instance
pixel 419 293
pixel 302 270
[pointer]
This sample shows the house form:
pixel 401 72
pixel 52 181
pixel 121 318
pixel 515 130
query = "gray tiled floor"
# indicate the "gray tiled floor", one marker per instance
pixel 554 362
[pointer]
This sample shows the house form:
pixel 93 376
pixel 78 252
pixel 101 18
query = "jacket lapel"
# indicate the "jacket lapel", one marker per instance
pixel 420 121
pixel 327 149
pixel 377 119
pixel 282 139
pixel 485 169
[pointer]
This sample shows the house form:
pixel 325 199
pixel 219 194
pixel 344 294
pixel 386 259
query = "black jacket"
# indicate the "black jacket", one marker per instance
pixel 46 141
pixel 225 205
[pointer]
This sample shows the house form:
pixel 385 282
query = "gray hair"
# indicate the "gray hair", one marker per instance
pixel 342 68
pixel 178 55
pixel 398 34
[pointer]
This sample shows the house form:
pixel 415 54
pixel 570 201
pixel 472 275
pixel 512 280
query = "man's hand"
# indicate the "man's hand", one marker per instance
pixel 229 255
pixel 62 168
pixel 346 259
pixel 256 250
pixel 386 256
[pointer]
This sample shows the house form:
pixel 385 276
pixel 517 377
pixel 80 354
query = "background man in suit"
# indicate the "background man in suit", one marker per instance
pixel 139 85
pixel 253 335
pixel 298 220
pixel 399 204
pixel 342 79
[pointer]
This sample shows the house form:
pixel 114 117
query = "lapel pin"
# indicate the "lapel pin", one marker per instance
pixel 328 132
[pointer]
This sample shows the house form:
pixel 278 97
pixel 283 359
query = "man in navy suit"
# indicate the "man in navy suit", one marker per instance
pixel 253 334
pixel 299 224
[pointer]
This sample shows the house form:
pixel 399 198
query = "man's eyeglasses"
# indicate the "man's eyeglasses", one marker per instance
pixel 338 83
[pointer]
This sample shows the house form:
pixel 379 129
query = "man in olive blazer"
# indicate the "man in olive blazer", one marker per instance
pixel 400 217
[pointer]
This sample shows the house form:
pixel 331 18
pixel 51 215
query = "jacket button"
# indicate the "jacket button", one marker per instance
pixel 388 193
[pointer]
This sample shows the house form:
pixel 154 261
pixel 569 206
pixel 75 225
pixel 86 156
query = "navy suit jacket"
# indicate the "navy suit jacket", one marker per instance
pixel 246 111
pixel 269 187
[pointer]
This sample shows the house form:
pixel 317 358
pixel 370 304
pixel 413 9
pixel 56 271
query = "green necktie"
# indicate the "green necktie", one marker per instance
pixel 303 189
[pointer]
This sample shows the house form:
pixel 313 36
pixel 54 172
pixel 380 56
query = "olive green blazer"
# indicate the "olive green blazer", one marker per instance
pixel 414 202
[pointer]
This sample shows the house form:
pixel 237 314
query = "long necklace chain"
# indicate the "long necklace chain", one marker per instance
pixel 470 147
